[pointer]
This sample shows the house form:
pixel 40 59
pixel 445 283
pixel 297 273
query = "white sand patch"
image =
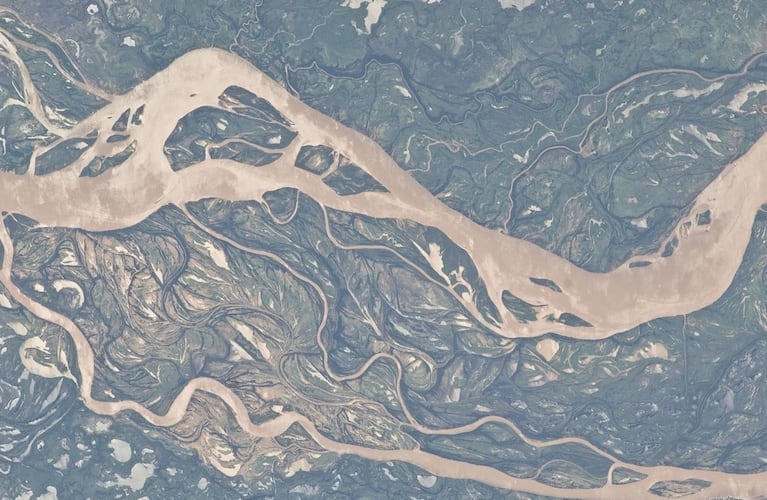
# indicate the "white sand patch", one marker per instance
pixel 62 463
pixel 139 474
pixel 300 465
pixel 547 348
pixel 60 285
pixel 121 450
pixel 97 425
pixel 5 302
pixel 695 93
pixel 744 94
pixel 50 494
pixel 305 489
pixel 402 90
pixel 531 209
pixel 652 350
pixel 224 463
pixel 520 5
pixel 237 353
pixel 640 223
pixel 68 258
pixel 374 10
pixel 455 395
pixel 250 336
pixel 434 257
pixel 695 132
pixel 426 481
pixel 32 365
pixel 217 254
pixel 18 328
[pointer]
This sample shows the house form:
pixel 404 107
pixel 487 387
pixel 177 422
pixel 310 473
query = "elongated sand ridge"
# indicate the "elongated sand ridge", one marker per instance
pixel 696 274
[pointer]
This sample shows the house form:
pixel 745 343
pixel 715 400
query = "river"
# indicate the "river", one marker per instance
pixel 698 272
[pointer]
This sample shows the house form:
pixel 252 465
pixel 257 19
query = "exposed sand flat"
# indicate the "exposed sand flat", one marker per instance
pixel 698 272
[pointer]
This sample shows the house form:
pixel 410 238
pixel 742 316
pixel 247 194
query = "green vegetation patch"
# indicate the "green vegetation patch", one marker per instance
pixel 211 126
pixel 62 154
pixel 245 153
pixel 523 311
pixel 349 179
pixel 101 164
pixel 315 159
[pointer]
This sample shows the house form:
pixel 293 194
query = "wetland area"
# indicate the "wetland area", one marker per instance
pixel 297 259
